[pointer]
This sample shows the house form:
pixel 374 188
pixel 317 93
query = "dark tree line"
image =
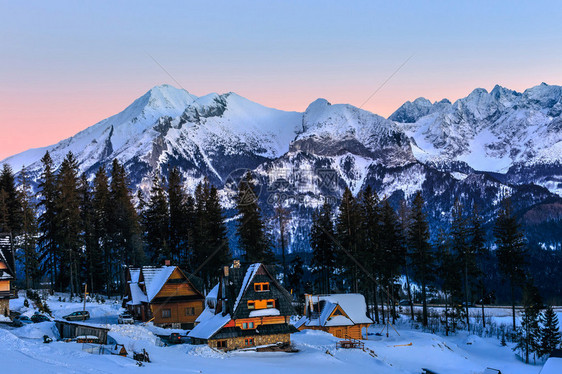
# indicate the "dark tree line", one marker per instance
pixel 366 246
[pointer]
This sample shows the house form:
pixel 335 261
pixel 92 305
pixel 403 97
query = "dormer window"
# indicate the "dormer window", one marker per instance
pixel 251 305
pixel 261 287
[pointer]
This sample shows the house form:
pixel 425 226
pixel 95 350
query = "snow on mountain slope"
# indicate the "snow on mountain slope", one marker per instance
pixel 488 131
pixel 111 134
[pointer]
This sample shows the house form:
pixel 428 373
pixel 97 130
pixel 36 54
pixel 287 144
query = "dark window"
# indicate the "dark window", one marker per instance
pixel 251 305
pixel 271 304
pixel 166 313
pixel 221 343
pixel 190 311
pixel 249 341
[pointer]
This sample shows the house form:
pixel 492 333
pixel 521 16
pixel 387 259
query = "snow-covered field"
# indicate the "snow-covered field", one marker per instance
pixel 23 351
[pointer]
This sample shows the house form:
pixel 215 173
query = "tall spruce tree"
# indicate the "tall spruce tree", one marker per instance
pixel 29 231
pixel 178 230
pixel 48 244
pixel 482 254
pixel 252 236
pixel 295 278
pixel 348 233
pixel 218 241
pixel 372 252
pixel 511 248
pixel 550 337
pixel 460 235
pixel 10 207
pixel 101 204
pixel 124 231
pixel 322 243
pixel 157 224
pixel 420 250
pixel 68 208
pixel 528 334
pixel 404 220
pixel 92 263
pixel 392 252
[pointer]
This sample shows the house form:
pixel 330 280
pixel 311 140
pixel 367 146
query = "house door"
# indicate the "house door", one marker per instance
pixel 339 333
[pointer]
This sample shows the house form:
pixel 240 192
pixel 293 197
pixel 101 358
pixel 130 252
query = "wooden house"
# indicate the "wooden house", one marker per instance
pixel 247 308
pixel 164 295
pixel 342 315
pixel 7 274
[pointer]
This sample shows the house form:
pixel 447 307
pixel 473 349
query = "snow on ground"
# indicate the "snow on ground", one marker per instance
pixel 23 351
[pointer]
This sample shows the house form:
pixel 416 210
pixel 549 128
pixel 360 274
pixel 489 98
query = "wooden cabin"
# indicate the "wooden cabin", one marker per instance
pixel 247 308
pixel 163 294
pixel 342 315
pixel 7 274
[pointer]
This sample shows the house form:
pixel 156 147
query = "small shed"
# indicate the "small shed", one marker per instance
pixel 342 315
pixel 72 330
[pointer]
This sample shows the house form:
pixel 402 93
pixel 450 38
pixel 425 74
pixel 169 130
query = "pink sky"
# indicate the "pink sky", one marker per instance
pixel 66 65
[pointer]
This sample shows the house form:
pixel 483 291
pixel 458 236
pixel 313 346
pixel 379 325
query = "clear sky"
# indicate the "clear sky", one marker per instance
pixel 67 65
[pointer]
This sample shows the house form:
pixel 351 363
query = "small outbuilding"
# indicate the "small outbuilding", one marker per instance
pixel 163 294
pixel 342 315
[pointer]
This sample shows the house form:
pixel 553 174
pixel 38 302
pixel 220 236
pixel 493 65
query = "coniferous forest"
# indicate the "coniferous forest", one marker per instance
pixel 74 231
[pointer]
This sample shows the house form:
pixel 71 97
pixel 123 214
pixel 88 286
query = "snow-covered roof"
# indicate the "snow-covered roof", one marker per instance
pixel 207 328
pixel 155 278
pixel 552 366
pixel 135 274
pixel 250 274
pixel 352 305
pixel 137 296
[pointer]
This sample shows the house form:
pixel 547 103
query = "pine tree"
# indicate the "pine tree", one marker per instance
pixel 47 220
pixel 404 220
pixel 295 278
pixel 420 250
pixel 528 334
pixel 157 224
pixel 550 337
pixel 68 208
pixel 460 233
pixel 124 230
pixel 348 233
pixel 252 237
pixel 392 251
pixel 218 247
pixel 372 252
pixel 176 206
pixel 510 250
pixel 29 232
pixel 10 212
pixel 101 204
pixel 93 254
pixel 282 217
pixel 481 253
pixel 322 244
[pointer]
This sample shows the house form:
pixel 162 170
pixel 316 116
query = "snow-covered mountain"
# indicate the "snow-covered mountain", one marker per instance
pixel 477 149
pixel 502 131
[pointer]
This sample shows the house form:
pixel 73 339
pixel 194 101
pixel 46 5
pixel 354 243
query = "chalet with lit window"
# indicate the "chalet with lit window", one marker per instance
pixel 7 274
pixel 342 315
pixel 164 295
pixel 247 308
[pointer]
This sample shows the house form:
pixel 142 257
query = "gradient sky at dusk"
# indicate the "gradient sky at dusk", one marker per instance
pixel 67 65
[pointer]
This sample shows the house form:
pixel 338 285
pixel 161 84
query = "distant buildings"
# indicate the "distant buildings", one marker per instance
pixel 342 315
pixel 164 295
pixel 247 308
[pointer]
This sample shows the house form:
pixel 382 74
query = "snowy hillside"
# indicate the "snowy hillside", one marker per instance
pixel 439 148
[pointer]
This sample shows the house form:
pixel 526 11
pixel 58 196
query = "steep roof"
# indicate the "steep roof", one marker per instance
pixel 154 279
pixel 238 291
pixel 352 310
pixel 209 327
pixel 7 258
